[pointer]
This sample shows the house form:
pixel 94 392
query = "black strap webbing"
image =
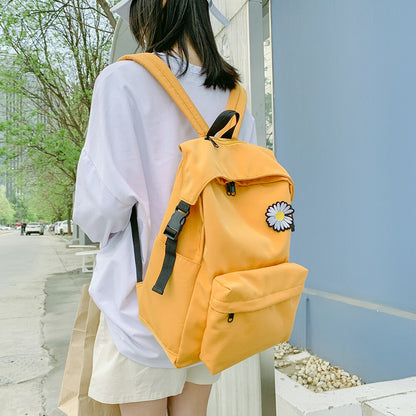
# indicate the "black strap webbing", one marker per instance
pixel 172 231
pixel 136 244
pixel 221 121
pixel 168 263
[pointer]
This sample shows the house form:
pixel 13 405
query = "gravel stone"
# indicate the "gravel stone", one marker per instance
pixel 314 373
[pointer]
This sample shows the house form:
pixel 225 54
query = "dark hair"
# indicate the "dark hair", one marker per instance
pixel 161 29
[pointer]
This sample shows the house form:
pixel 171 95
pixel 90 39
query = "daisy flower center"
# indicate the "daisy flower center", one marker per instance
pixel 279 216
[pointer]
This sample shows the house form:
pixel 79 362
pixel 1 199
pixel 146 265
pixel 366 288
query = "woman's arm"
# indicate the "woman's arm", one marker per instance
pixel 110 178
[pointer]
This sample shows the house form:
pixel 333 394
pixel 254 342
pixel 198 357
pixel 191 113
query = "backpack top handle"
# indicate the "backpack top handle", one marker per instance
pixel 223 121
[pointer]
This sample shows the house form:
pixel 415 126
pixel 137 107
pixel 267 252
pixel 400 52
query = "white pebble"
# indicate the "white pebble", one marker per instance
pixel 314 373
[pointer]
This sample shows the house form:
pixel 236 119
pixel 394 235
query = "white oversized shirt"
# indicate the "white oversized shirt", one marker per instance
pixel 130 157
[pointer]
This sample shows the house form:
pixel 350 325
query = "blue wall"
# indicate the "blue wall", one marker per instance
pixel 345 117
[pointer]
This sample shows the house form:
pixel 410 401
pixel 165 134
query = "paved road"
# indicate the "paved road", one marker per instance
pixel 40 283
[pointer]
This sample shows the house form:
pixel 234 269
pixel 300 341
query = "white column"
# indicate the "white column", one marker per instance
pixel 241 43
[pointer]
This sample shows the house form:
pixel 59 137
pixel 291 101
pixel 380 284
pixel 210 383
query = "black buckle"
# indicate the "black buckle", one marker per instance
pixel 176 223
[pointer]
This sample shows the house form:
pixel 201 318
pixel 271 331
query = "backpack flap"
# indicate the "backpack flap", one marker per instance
pixel 232 160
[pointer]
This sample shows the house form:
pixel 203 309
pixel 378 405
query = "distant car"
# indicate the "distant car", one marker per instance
pixel 57 227
pixel 63 227
pixel 34 227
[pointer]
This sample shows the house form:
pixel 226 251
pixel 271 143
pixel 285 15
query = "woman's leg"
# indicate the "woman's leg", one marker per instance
pixel 193 400
pixel 150 408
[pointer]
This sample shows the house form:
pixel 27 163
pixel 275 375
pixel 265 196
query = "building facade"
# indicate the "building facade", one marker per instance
pixel 10 105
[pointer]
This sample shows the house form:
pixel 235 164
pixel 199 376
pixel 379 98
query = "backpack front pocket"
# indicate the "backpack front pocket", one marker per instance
pixel 249 312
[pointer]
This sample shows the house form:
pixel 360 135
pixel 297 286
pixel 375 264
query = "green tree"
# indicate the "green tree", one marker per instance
pixel 55 50
pixel 7 211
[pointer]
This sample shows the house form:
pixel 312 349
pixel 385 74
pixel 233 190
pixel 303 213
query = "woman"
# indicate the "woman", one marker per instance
pixel 130 158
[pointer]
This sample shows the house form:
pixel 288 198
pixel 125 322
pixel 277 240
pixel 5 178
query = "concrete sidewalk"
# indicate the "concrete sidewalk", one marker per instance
pixel 40 286
pixel 62 297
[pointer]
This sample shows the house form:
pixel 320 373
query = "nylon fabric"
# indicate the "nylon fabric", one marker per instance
pixel 232 292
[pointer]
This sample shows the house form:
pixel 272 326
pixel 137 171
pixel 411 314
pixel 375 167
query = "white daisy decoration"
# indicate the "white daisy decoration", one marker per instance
pixel 280 216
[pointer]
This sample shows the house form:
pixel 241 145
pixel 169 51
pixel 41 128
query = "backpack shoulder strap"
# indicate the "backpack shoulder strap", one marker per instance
pixel 236 102
pixel 162 73
pixel 157 67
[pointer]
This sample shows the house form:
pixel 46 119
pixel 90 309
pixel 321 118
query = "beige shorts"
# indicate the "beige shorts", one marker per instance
pixel 117 379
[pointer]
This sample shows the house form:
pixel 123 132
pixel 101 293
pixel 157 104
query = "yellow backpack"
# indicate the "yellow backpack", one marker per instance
pixel 219 286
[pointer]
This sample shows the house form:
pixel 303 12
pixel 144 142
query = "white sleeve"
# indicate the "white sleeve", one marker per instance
pixel 110 177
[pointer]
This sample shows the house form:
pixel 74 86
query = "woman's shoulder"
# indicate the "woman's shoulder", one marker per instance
pixel 124 73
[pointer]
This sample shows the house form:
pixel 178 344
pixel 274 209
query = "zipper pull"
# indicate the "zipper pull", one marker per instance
pixel 231 191
pixel 212 141
pixel 230 317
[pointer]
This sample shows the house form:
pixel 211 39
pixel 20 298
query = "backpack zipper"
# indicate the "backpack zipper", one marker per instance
pixel 231 191
pixel 230 317
pixel 212 141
